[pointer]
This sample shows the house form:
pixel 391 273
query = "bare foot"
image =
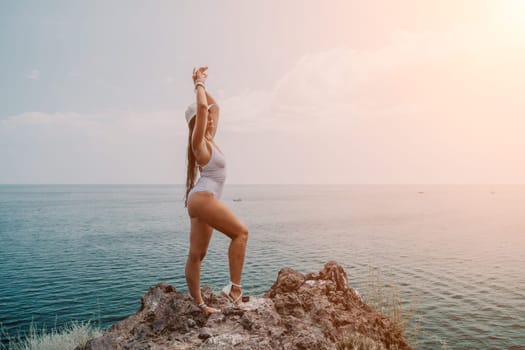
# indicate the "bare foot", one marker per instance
pixel 208 309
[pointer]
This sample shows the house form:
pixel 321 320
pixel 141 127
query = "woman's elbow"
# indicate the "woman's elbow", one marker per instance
pixel 202 107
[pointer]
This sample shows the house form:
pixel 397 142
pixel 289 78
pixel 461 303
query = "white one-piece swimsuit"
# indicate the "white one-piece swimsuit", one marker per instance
pixel 212 175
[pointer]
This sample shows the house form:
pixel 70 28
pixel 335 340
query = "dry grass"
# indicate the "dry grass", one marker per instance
pixel 357 341
pixel 67 338
pixel 384 297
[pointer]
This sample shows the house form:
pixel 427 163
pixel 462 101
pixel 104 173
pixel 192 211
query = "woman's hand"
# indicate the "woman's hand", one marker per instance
pixel 199 75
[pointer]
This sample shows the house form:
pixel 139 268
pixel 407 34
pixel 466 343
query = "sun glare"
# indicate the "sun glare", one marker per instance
pixel 514 16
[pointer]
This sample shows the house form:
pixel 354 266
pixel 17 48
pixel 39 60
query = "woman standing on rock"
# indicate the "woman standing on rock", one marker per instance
pixel 205 209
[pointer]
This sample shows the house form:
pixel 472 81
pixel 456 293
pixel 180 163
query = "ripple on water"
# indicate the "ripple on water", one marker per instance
pixel 90 252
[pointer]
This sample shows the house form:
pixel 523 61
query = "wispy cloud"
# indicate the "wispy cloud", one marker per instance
pixel 109 147
pixel 34 74
pixel 424 75
pixel 436 100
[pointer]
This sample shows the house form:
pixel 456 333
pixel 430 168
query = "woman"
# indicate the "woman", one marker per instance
pixel 202 199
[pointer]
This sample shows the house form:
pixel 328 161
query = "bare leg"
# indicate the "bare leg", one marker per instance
pixel 217 215
pixel 236 254
pixel 200 236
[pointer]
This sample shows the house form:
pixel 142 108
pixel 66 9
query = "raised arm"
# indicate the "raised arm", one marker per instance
pixel 211 100
pixel 201 119
pixel 213 111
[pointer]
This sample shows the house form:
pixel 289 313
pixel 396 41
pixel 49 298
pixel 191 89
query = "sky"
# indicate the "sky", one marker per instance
pixel 311 92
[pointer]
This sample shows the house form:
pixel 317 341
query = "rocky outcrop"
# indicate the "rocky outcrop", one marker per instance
pixel 312 311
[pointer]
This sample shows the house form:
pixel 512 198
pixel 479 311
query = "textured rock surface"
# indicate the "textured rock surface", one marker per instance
pixel 312 311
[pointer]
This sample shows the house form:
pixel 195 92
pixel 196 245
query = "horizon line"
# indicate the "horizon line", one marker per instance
pixel 267 184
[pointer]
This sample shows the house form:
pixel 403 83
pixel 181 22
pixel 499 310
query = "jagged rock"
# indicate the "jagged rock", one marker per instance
pixel 312 311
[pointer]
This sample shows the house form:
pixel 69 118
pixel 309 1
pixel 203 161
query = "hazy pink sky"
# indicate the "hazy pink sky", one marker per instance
pixel 310 91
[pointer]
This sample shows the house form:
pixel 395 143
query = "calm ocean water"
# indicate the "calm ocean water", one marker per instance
pixel 89 252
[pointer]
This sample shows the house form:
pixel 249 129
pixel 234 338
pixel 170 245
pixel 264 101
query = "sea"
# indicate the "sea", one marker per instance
pixel 453 254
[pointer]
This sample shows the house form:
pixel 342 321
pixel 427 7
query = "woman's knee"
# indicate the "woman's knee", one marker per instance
pixel 196 257
pixel 244 233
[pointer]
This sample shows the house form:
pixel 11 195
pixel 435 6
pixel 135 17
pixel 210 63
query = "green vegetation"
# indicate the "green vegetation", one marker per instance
pixel 66 338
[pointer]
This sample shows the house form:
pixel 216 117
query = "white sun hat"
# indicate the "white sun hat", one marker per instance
pixel 191 111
